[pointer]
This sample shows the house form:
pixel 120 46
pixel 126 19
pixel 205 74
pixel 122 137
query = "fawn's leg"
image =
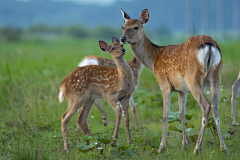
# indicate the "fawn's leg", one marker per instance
pixel 104 114
pixel 133 106
pixel 78 126
pixel 118 109
pixel 82 119
pixel 125 106
pixel 72 108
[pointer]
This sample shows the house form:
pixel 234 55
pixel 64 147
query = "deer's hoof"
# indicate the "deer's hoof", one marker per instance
pixel 67 148
pixel 197 150
pixel 161 149
pixel 105 124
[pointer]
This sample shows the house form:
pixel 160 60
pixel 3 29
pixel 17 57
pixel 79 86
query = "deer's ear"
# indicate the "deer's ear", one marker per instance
pixel 126 17
pixel 144 16
pixel 114 39
pixel 104 46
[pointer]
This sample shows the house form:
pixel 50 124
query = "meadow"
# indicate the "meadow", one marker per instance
pixel 30 114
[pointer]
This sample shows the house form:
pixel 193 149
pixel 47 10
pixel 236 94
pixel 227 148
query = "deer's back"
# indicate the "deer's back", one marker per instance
pixel 178 61
pixel 96 82
pixel 136 69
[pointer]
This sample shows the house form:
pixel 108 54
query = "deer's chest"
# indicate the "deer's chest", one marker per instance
pixel 126 88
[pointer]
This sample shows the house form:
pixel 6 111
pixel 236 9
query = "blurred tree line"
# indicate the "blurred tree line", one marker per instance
pixel 12 34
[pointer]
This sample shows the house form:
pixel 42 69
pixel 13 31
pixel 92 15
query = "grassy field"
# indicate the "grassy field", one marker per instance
pixel 30 114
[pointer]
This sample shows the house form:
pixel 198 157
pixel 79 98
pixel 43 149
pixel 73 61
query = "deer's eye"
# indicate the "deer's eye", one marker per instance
pixel 135 28
pixel 113 48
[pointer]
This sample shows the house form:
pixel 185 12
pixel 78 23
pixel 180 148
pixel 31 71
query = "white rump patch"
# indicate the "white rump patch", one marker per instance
pixel 215 56
pixel 88 61
pixel 202 55
pixel 61 96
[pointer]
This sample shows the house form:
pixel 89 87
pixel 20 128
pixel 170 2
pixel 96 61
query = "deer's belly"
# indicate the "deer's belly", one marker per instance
pixel 179 84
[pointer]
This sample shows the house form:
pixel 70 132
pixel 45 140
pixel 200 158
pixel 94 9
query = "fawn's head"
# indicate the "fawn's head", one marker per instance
pixel 116 49
pixel 133 28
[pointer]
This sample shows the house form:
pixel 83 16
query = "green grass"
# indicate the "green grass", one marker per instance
pixel 30 114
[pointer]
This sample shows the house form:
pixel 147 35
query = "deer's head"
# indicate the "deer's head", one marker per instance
pixel 116 49
pixel 133 28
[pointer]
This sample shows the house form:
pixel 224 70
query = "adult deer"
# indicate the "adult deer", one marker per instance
pixel 136 67
pixel 235 89
pixel 183 68
pixel 86 84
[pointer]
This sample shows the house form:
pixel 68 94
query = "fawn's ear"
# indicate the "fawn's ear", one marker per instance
pixel 114 39
pixel 104 46
pixel 144 16
pixel 126 17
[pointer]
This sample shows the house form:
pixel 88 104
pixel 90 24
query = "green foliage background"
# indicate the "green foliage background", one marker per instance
pixel 30 114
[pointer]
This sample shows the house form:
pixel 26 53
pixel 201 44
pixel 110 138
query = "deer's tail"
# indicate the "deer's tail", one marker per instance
pixel 61 95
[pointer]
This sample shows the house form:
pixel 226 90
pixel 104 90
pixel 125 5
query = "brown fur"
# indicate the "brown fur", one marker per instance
pixel 136 67
pixel 86 84
pixel 184 68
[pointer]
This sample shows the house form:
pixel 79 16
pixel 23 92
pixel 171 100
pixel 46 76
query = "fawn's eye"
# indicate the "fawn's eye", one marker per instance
pixel 113 48
pixel 135 28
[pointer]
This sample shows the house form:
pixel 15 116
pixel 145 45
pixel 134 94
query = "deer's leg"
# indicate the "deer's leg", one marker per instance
pixel 182 99
pixel 215 89
pixel 166 93
pixel 125 106
pixel 78 126
pixel 133 106
pixel 118 109
pixel 197 92
pixel 104 114
pixel 83 116
pixel 235 90
pixel 64 122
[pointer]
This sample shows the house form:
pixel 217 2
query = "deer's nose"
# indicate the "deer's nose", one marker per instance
pixel 123 39
pixel 123 50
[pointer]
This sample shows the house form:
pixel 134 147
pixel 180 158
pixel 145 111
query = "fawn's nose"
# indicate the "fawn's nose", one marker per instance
pixel 123 50
pixel 123 39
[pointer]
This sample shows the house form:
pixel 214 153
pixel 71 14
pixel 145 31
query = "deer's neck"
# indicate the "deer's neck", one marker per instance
pixel 137 63
pixel 123 68
pixel 146 51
